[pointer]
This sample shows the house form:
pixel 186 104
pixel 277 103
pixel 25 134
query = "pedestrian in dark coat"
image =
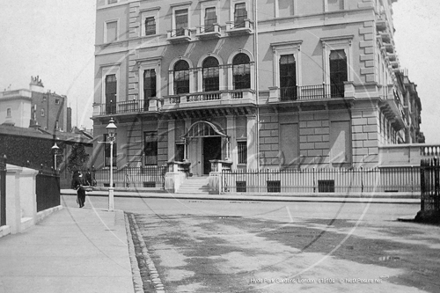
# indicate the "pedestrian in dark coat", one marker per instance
pixel 78 183
pixel 89 180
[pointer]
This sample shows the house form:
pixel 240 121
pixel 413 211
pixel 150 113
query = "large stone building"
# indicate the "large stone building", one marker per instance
pixel 34 107
pixel 264 84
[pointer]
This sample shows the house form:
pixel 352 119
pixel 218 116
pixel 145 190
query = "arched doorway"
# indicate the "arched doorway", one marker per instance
pixel 204 142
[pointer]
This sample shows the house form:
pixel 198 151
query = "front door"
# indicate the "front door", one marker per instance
pixel 212 150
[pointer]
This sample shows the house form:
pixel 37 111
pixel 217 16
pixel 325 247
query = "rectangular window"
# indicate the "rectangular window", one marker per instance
pixel 210 19
pixel 150 26
pixel 57 101
pixel 326 185
pixel 338 72
pixel 289 143
pixel 240 14
pixel 180 150
pixel 340 147
pixel 288 89
pixel 112 31
pixel 242 152
pixel 181 21
pixel 107 151
pixel 150 147
pixel 285 8
pixel 241 186
pixel 112 1
pixel 110 93
pixel 273 186
pixel 149 87
pixel 335 5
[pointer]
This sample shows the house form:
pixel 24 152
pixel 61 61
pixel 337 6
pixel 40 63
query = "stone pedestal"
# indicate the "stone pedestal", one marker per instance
pixel 216 186
pixel 176 174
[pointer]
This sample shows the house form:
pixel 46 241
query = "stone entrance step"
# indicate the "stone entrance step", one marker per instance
pixel 195 185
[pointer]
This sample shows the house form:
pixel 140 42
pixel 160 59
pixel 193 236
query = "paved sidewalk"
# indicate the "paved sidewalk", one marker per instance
pixel 73 250
pixel 379 198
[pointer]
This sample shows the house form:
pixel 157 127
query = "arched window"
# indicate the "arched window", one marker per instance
pixel 338 72
pixel 210 74
pixel 181 77
pixel 288 77
pixel 241 70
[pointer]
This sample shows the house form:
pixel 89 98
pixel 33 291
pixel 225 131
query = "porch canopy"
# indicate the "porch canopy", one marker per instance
pixel 202 129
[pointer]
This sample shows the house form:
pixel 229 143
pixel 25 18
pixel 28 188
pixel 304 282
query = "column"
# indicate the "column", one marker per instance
pixel 231 131
pixel 171 139
pixel 251 129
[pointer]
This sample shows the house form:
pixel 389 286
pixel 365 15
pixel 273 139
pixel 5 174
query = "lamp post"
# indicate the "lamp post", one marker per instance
pixel 111 131
pixel 55 149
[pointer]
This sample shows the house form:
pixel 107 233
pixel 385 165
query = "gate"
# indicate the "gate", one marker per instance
pixel 3 191
pixel 47 190
pixel 429 183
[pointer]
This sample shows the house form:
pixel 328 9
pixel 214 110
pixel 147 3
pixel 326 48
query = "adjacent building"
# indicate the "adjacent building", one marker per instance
pixel 263 84
pixel 35 107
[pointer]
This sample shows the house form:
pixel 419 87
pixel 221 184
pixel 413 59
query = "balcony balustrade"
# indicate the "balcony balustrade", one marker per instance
pixel 208 32
pixel 126 107
pixel 407 154
pixel 209 99
pixel 181 35
pixel 385 35
pixel 392 105
pixel 241 28
pixel 310 92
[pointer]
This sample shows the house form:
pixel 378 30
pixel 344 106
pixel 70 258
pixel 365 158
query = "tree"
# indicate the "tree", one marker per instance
pixel 77 158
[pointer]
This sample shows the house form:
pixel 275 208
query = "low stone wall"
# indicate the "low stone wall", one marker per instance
pixel 21 200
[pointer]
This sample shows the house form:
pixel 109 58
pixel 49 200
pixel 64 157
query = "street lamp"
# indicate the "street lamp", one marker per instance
pixel 111 131
pixel 55 149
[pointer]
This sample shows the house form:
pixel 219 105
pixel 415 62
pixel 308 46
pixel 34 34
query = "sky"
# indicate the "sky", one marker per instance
pixel 55 40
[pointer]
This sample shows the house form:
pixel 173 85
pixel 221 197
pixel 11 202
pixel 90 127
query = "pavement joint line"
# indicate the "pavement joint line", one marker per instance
pixel 264 198
pixel 102 221
pixel 157 282
pixel 136 275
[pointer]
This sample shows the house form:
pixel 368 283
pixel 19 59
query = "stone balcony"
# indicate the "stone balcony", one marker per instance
pixel 210 99
pixel 177 36
pixel 392 105
pixel 239 28
pixel 208 32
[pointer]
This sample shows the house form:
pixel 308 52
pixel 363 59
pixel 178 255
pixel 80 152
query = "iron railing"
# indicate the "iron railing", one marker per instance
pixel 343 181
pixel 311 92
pixel 47 190
pixel 430 184
pixel 131 106
pixel 148 176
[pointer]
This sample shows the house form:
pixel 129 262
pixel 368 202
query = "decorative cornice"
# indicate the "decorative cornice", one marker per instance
pixel 150 9
pixel 187 3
